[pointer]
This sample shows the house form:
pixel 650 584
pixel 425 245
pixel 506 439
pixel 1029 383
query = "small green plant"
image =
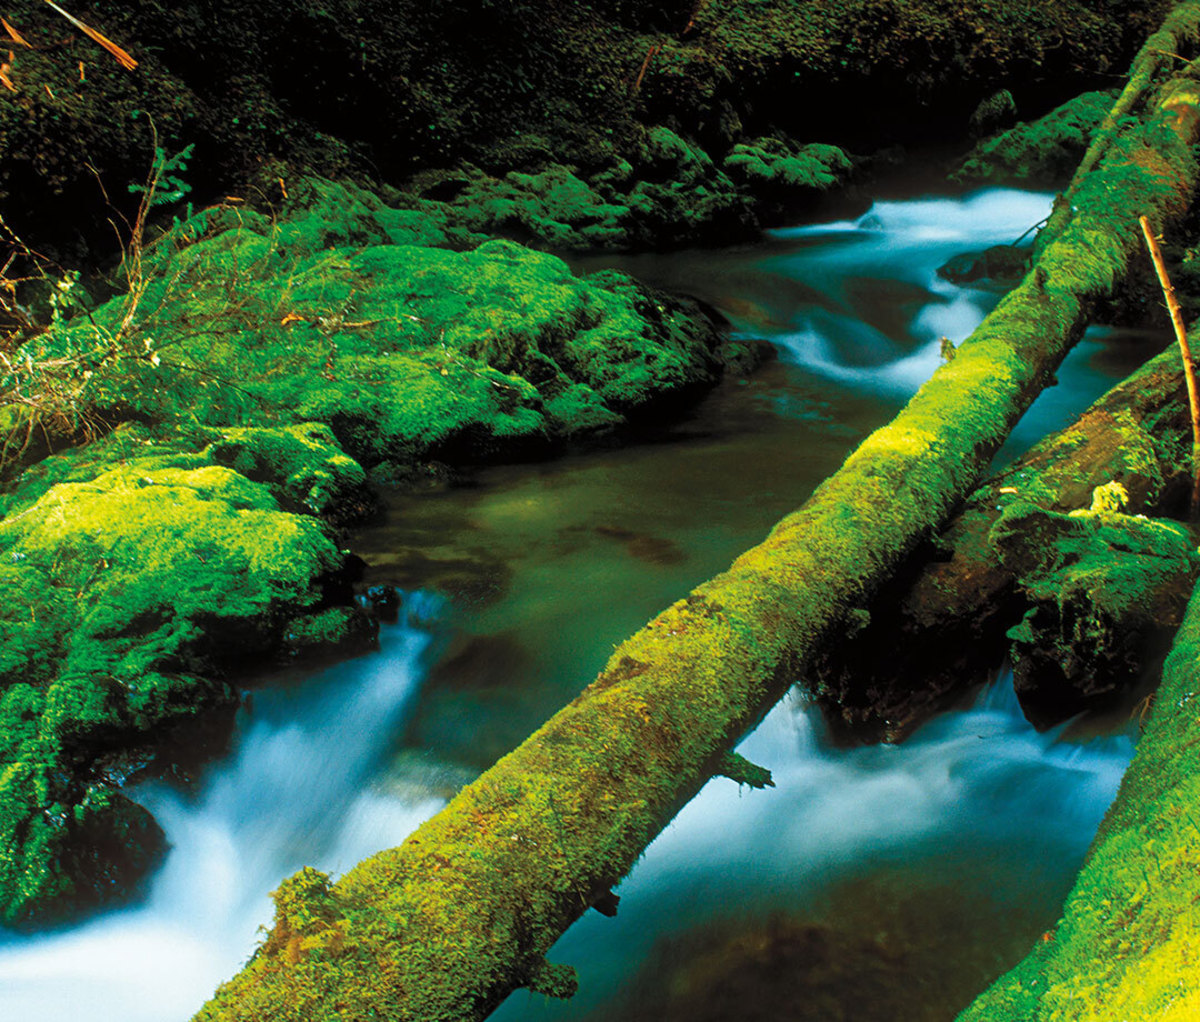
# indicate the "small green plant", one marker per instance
pixel 165 185
pixel 52 373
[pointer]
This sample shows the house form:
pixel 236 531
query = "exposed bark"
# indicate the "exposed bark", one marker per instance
pixel 446 925
pixel 937 623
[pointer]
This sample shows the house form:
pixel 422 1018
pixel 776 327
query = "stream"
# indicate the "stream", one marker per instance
pixel 884 882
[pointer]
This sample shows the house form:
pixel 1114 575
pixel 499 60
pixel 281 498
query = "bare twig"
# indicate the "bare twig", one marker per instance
pixel 645 67
pixel 1189 370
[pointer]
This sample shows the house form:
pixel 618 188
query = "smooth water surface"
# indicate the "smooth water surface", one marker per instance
pixel 938 860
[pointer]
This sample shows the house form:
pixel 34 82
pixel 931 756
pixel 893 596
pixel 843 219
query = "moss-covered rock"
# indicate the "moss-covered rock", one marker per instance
pixel 1045 151
pixel 1106 592
pixel 137 575
pixel 407 352
pixel 668 192
pixel 780 175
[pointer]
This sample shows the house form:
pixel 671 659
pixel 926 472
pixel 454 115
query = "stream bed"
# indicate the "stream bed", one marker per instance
pixel 872 883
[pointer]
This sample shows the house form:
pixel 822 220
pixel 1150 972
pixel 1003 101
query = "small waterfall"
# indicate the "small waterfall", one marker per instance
pixel 296 791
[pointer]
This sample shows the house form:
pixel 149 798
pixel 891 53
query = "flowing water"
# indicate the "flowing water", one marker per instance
pixel 886 882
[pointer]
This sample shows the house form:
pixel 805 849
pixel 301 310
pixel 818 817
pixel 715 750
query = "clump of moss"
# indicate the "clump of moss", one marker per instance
pixel 668 191
pixel 408 352
pixel 1045 151
pixel 137 576
pixel 782 175
pixel 1106 591
pixel 320 214
pixel 301 463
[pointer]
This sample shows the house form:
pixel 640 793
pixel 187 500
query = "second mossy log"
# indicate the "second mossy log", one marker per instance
pixel 943 616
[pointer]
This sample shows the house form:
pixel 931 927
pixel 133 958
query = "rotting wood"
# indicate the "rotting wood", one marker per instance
pixel 445 926
pixel 939 621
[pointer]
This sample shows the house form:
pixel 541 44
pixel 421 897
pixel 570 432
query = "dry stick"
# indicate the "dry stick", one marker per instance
pixel 1189 370
pixel 645 66
pixel 123 58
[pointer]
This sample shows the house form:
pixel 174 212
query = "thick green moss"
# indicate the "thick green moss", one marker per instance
pixel 135 575
pixel 1126 944
pixel 1106 591
pixel 445 926
pixel 302 464
pixel 668 191
pixel 407 352
pixel 782 176
pixel 1045 151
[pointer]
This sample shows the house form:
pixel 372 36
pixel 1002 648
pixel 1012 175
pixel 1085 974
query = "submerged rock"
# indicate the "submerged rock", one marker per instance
pixel 1001 264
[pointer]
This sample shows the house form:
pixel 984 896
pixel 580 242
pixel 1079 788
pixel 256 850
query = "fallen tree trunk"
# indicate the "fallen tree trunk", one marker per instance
pixel 1125 947
pixel 936 625
pixel 446 925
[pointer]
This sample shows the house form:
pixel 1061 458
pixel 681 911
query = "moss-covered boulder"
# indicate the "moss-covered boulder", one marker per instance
pixel 408 352
pixel 1106 592
pixel 138 576
pixel 669 191
pixel 1045 151
pixel 780 175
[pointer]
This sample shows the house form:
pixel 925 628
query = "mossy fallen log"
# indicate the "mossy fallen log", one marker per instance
pixel 446 925
pixel 1125 946
pixel 936 624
